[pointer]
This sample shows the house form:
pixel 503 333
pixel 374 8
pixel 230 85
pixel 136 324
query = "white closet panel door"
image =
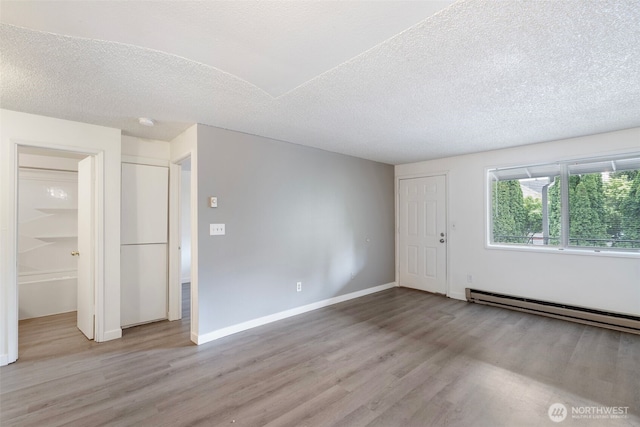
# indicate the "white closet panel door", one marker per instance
pixel 145 195
pixel 143 291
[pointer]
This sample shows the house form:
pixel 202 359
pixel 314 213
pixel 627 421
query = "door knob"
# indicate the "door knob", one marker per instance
pixel 441 240
pixel 75 253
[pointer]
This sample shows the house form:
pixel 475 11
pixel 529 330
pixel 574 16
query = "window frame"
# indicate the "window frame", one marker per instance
pixel 563 246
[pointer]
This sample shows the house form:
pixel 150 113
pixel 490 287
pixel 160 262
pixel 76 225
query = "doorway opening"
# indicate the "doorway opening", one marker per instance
pixel 185 239
pixel 54 225
pixel 183 243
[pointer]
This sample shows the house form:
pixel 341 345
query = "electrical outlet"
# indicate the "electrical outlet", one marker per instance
pixel 299 286
pixel 216 229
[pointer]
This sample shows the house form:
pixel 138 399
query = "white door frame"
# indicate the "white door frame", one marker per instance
pixel 11 288
pixel 175 241
pixel 397 214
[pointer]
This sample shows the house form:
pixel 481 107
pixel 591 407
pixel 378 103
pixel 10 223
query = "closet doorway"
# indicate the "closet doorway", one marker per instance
pixel 55 226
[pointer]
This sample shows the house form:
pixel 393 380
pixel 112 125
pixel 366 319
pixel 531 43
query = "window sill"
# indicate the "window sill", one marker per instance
pixel 571 251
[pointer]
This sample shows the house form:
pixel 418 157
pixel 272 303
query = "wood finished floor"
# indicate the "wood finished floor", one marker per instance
pixel 395 358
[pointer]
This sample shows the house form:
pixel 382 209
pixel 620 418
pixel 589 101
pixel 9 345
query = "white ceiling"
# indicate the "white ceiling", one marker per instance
pixel 393 81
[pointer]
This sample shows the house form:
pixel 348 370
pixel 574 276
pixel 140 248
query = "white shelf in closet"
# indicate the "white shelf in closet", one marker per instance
pixel 47 241
pixel 36 247
pixel 48 213
pixel 56 210
pixel 55 238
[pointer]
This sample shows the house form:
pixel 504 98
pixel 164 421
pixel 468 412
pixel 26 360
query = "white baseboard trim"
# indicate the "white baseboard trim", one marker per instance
pixel 113 334
pixel 194 338
pixel 214 335
pixel 458 295
pixel 4 359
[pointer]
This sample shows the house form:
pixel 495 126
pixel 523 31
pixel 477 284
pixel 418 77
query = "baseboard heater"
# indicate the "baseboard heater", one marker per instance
pixel 587 316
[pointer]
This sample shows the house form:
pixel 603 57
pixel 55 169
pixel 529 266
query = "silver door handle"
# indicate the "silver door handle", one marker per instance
pixel 441 240
pixel 75 253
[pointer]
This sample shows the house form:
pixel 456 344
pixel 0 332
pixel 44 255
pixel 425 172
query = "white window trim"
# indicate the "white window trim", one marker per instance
pixel 564 247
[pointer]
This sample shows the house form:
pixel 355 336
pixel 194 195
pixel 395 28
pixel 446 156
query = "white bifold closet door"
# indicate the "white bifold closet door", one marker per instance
pixel 144 283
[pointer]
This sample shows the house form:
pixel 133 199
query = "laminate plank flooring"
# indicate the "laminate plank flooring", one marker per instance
pixel 394 358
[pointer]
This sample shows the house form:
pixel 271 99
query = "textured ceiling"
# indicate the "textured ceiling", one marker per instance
pixel 274 45
pixel 389 81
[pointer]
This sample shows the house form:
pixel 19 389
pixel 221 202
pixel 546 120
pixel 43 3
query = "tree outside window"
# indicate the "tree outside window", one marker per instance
pixel 602 210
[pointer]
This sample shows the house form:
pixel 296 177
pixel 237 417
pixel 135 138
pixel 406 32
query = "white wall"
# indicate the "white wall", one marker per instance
pixel 28 129
pixel 145 151
pixel 593 280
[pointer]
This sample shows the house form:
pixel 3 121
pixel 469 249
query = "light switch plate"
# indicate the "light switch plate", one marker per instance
pixel 213 202
pixel 216 229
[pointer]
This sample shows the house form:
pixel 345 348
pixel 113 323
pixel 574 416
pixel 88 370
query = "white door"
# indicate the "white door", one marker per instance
pixel 143 254
pixel 143 284
pixel 86 280
pixel 145 200
pixel 422 240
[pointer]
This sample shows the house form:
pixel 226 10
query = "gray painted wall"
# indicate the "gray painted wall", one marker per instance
pixel 292 213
